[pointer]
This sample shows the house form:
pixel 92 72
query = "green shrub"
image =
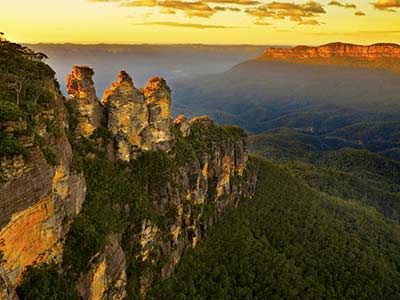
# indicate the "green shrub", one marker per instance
pixel 9 111
pixel 84 240
pixel 50 156
pixel 10 146
pixel 53 128
pixel 46 283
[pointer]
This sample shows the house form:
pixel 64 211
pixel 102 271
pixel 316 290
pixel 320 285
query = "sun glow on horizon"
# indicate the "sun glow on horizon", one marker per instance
pixel 204 22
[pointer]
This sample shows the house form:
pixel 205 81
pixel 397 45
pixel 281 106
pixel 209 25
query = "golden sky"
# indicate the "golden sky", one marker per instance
pixel 201 21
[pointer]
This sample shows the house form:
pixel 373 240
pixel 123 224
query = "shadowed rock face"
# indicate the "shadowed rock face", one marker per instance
pixel 7 291
pixel 107 277
pixel 80 87
pixel 335 50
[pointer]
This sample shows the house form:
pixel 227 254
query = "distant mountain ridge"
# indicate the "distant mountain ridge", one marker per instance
pixel 380 55
pixel 338 49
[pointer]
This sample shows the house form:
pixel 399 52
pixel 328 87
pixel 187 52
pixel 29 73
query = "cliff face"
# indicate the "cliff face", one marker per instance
pixel 174 179
pixel 332 50
pixel 40 193
pixel 206 174
pixel 199 191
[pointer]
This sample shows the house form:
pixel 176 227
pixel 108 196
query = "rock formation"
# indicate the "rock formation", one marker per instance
pixel 183 125
pixel 139 120
pixel 83 97
pixel 158 98
pixel 127 115
pixel 335 50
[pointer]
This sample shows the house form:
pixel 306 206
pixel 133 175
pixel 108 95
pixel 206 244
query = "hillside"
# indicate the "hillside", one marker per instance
pixel 330 166
pixel 291 242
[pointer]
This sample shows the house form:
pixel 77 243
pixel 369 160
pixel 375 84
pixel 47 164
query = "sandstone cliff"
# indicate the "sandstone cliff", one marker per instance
pixel 40 193
pixel 335 50
pixel 377 56
pixel 113 192
pixel 202 174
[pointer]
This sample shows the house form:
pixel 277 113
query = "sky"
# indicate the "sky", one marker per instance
pixel 200 21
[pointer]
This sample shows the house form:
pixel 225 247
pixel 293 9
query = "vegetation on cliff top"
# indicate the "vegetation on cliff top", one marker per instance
pixel 25 92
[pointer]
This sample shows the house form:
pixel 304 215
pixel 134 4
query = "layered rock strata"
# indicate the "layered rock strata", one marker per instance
pixel 332 50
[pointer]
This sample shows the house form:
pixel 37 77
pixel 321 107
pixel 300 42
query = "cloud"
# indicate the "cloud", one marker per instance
pixel 359 14
pixel 261 12
pixel 387 5
pixel 191 9
pixel 262 23
pixel 239 2
pixel 295 12
pixel 309 8
pixel 309 22
pixel 138 3
pixel 189 25
pixel 344 5
pixel 224 8
pixel 167 11
pixel 199 8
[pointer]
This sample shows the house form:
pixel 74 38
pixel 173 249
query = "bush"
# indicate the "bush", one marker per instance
pixel 84 240
pixel 10 111
pixel 50 156
pixel 46 283
pixel 10 146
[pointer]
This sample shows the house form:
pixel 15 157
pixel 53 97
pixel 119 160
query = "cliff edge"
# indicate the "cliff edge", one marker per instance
pixel 379 56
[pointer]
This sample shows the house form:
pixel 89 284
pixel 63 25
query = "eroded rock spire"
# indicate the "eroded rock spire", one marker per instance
pixel 158 98
pixel 127 115
pixel 82 93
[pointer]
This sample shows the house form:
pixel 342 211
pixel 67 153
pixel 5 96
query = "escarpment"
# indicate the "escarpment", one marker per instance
pixel 336 50
pixel 189 172
pixel 115 194
pixel 377 56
